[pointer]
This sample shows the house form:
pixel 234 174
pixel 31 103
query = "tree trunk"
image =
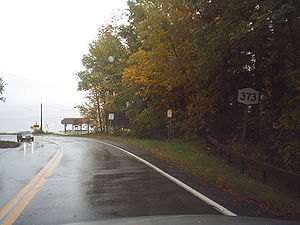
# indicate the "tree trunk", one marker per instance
pixel 99 112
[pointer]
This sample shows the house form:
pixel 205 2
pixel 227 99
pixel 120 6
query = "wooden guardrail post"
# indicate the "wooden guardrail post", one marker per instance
pixel 264 175
pixel 243 166
pixel 291 179
pixel 229 160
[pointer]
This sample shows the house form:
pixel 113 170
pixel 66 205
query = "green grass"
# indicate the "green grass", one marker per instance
pixel 9 144
pixel 39 132
pixel 215 170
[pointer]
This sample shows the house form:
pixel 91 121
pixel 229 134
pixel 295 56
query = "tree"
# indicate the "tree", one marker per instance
pixel 102 78
pixel 2 89
pixel 193 56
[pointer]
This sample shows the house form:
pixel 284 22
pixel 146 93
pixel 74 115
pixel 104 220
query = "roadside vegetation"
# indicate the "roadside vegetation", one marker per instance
pixel 192 57
pixel 213 169
pixel 40 132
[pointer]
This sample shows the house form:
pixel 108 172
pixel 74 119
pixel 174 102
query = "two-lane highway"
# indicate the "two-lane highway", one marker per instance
pixel 18 166
pixel 22 172
pixel 95 180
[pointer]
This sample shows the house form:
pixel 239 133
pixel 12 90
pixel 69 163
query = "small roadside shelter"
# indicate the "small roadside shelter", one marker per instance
pixel 75 122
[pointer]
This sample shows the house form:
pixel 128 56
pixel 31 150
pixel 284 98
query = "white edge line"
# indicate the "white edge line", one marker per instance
pixel 197 194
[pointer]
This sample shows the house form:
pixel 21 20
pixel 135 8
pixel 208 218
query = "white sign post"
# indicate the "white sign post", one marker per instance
pixel 247 96
pixel 170 126
pixel 111 117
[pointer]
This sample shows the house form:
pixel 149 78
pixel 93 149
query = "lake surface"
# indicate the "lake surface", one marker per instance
pixel 15 118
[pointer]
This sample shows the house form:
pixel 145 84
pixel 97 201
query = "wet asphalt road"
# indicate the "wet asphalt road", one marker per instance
pixel 19 165
pixel 94 181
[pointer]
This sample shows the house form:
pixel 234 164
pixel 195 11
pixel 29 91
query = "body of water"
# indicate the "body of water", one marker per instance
pixel 15 118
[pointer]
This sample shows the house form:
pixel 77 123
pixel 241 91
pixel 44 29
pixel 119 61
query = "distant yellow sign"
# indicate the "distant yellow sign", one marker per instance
pixel 169 113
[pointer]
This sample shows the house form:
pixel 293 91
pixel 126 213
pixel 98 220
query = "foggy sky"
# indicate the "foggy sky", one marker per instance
pixel 41 46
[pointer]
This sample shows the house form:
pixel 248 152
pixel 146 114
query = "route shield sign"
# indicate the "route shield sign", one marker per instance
pixel 248 96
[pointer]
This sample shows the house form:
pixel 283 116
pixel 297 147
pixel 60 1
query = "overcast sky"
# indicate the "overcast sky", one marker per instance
pixel 41 46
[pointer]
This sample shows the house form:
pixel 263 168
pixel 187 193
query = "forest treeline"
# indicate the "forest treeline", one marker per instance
pixel 192 56
pixel 1 89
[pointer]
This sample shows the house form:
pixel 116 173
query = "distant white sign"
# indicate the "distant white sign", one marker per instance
pixel 248 96
pixel 111 116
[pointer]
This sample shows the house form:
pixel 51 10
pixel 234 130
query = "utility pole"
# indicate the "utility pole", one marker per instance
pixel 41 117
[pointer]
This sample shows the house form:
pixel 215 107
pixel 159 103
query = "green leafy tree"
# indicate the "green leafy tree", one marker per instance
pixel 102 75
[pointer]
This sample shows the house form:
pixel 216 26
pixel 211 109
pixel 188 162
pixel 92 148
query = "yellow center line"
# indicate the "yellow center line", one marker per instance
pixel 33 186
pixel 20 207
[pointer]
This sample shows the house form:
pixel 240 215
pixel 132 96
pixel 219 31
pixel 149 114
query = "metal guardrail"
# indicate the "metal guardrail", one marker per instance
pixel 267 171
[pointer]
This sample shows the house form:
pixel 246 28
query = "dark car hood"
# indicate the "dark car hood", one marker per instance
pixel 190 220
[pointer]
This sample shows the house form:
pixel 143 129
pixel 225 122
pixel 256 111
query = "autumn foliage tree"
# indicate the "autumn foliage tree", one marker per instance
pixel 193 56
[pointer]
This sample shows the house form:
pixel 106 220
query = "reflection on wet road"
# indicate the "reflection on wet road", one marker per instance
pixel 19 165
